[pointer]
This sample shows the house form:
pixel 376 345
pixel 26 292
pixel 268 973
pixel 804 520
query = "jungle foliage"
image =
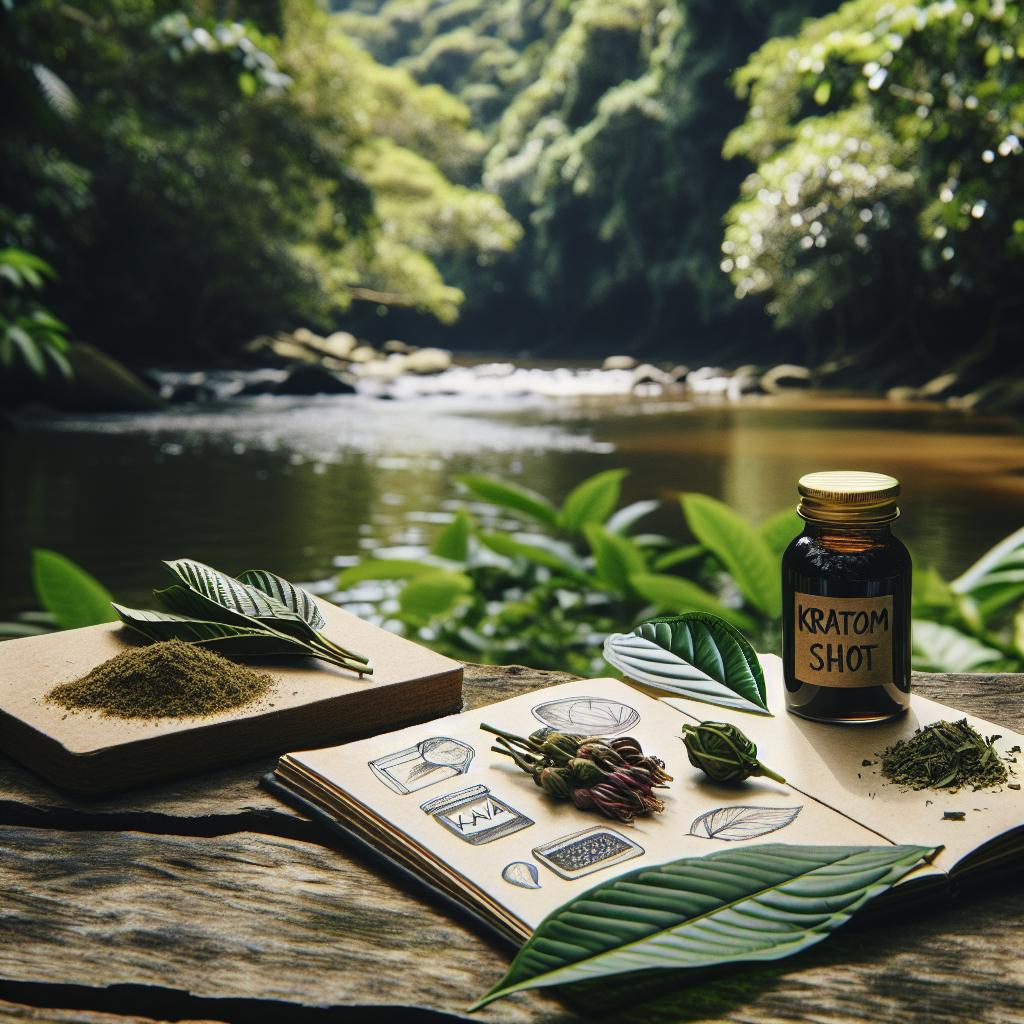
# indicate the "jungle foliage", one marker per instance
pixel 887 139
pixel 554 174
pixel 199 173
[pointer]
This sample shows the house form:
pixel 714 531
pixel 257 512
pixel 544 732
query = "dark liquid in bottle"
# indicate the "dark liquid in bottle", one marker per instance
pixel 846 624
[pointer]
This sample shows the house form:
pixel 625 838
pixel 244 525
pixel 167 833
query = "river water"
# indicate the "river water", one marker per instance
pixel 304 486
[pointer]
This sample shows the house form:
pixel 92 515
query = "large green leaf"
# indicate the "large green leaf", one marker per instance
pixel 739 547
pixel 229 639
pixel 511 496
pixel 759 903
pixel 433 595
pixel 778 531
pixel 383 569
pixel 678 556
pixel 1006 554
pixel 453 541
pixel 675 594
pixel 510 547
pixel 615 558
pixel 73 596
pixel 696 655
pixel 294 598
pixel 592 501
pixel 628 516
pixel 938 648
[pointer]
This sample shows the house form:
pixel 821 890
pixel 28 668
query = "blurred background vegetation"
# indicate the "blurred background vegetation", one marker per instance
pixel 801 217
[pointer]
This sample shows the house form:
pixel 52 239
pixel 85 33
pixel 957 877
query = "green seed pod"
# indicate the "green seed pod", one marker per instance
pixel 585 772
pixel 723 753
pixel 554 782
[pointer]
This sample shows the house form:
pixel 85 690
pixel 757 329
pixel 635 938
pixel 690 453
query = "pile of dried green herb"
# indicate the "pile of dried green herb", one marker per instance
pixel 171 679
pixel 945 755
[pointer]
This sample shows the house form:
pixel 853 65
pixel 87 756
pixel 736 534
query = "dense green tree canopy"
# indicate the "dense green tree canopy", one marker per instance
pixel 887 198
pixel 196 179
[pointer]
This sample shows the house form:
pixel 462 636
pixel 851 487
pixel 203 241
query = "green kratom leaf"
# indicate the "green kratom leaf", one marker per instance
pixel 676 594
pixel 695 655
pixel 758 903
pixel 616 558
pixel 739 547
pixel 511 496
pixel 778 531
pixel 73 596
pixel 592 501
pixel 452 542
pixel 295 599
pixel 383 569
pixel 220 636
pixel 215 588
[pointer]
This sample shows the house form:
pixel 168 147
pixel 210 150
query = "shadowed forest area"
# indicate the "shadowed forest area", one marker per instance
pixel 677 178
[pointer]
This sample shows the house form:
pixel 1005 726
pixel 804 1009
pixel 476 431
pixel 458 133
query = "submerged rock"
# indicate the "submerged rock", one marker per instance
pixel 312 380
pixel 786 377
pixel 427 360
pixel 619 363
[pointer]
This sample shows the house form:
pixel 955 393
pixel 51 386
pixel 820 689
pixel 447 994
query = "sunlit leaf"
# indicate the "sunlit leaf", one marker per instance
pixel 938 648
pixel 592 501
pixel 433 595
pixel 511 496
pixel 73 596
pixel 503 544
pixel 616 558
pixel 383 569
pixel 453 541
pixel 740 549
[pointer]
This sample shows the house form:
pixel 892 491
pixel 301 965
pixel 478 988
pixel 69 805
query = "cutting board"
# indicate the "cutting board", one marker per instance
pixel 313 704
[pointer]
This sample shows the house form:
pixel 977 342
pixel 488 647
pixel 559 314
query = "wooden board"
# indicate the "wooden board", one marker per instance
pixel 223 916
pixel 313 704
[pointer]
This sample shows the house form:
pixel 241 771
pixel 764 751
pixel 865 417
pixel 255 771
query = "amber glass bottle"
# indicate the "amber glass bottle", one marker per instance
pixel 846 602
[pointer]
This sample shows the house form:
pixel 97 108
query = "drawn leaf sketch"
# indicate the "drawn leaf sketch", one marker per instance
pixel 742 822
pixel 520 873
pixel 594 716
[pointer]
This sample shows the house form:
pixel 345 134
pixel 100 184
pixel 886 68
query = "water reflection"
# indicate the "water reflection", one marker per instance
pixel 302 486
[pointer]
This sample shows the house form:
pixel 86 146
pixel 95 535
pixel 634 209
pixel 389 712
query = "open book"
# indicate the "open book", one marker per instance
pixel 436 800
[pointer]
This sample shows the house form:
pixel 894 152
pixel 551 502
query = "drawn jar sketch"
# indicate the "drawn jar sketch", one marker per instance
pixel 475 815
pixel 431 761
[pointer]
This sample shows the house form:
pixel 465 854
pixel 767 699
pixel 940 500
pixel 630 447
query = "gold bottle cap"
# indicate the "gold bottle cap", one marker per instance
pixel 850 497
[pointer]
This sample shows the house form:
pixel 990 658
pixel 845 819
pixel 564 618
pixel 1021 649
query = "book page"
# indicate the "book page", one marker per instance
pixel 471 818
pixel 827 761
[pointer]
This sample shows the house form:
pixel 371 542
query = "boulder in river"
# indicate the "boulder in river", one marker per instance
pixel 618 363
pixel 427 360
pixel 313 380
pixel 785 377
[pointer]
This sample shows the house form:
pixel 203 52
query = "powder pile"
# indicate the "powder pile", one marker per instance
pixel 170 679
pixel 945 755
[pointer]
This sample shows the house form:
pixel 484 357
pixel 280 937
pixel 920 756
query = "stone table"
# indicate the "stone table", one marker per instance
pixel 208 900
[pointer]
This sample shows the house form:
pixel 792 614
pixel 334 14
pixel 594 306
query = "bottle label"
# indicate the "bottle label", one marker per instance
pixel 842 641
